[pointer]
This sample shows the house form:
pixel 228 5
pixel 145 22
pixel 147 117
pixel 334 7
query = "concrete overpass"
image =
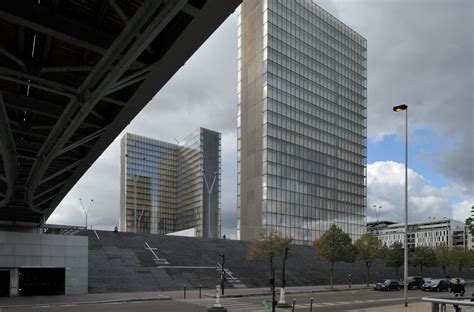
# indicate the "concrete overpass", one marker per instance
pixel 73 74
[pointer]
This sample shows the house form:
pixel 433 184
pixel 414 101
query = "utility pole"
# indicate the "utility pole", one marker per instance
pixel 222 273
pixel 272 282
pixel 282 302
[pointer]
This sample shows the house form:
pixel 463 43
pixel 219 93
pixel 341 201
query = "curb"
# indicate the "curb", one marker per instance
pixel 59 304
pixel 288 292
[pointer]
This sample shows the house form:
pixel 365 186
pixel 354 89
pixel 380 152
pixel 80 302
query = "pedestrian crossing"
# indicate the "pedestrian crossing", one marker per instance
pixel 229 303
pixel 352 302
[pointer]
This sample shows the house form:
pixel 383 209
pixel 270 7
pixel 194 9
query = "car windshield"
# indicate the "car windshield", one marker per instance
pixel 434 281
pixel 386 282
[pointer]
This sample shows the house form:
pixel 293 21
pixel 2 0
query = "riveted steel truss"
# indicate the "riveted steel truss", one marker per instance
pixel 73 74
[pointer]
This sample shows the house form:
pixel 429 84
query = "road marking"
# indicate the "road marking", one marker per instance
pixel 323 304
pixel 228 303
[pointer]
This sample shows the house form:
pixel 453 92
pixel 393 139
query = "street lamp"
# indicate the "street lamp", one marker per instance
pixel 88 209
pixel 398 109
pixel 282 302
pixel 222 273
pixel 209 192
pixel 377 212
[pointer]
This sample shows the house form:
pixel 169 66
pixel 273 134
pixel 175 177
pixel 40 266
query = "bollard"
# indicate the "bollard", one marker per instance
pixel 311 305
pixel 184 293
pixel 217 306
pixel 218 297
pixel 200 287
pixel 293 308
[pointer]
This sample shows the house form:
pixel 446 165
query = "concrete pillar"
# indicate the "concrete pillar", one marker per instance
pixel 13 282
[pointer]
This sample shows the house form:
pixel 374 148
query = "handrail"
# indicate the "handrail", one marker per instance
pixel 439 304
pixel 462 301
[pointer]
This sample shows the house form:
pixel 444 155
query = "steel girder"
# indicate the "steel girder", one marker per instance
pixel 64 112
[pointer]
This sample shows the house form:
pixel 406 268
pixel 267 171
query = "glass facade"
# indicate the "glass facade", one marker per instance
pixel 301 122
pixel 163 188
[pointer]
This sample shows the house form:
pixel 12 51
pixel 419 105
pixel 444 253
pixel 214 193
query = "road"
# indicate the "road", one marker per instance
pixel 328 301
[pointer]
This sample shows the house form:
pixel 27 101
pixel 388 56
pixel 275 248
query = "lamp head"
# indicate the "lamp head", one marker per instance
pixel 400 108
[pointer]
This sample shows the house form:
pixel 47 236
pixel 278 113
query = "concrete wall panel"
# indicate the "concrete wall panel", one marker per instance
pixel 47 250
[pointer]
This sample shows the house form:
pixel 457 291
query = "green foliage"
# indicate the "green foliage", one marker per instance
pixel 442 257
pixel 394 256
pixel 423 257
pixel 461 258
pixel 369 248
pixel 269 245
pixel 470 224
pixel 470 221
pixel 334 246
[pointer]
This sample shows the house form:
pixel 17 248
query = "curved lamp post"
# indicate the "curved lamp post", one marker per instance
pixel 398 109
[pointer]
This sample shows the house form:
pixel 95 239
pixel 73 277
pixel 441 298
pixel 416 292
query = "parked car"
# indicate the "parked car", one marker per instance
pixel 415 282
pixel 436 285
pixel 387 285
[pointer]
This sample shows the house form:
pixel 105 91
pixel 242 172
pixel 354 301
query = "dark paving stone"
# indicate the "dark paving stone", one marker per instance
pixel 120 262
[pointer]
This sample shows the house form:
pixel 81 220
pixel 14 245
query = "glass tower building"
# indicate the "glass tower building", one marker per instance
pixel 301 122
pixel 163 185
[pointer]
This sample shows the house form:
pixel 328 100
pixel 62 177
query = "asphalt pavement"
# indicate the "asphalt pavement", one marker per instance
pixel 359 299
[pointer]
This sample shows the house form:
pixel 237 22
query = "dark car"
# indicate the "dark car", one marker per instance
pixel 436 285
pixel 415 282
pixel 387 285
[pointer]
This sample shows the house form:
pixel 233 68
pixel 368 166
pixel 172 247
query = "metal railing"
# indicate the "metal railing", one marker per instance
pixel 446 304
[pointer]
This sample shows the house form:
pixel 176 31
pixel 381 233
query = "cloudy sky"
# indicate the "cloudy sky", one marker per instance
pixel 420 52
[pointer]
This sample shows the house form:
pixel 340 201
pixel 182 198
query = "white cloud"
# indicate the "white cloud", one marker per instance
pixel 462 210
pixel 406 63
pixel 386 188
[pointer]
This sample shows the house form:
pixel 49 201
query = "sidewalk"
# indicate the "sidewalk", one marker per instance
pixel 254 292
pixel 412 307
pixel 44 301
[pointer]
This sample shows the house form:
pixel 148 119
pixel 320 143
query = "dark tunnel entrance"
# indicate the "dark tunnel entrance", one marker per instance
pixel 41 281
pixel 4 283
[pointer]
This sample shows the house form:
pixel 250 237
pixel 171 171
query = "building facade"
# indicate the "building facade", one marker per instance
pixel 430 233
pixel 301 122
pixel 163 185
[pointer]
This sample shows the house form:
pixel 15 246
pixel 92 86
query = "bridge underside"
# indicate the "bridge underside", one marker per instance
pixel 73 74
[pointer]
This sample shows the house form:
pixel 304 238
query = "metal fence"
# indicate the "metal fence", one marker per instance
pixel 451 304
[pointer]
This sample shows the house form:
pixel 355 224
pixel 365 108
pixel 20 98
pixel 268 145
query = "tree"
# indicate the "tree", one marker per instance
pixel 269 245
pixel 442 257
pixel 423 257
pixel 461 258
pixel 394 256
pixel 369 249
pixel 333 246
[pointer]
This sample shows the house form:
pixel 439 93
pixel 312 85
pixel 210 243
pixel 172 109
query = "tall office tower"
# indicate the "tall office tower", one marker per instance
pixel 163 185
pixel 301 122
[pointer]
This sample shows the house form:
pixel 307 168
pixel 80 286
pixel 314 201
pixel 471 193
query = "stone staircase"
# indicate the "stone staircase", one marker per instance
pixel 122 262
